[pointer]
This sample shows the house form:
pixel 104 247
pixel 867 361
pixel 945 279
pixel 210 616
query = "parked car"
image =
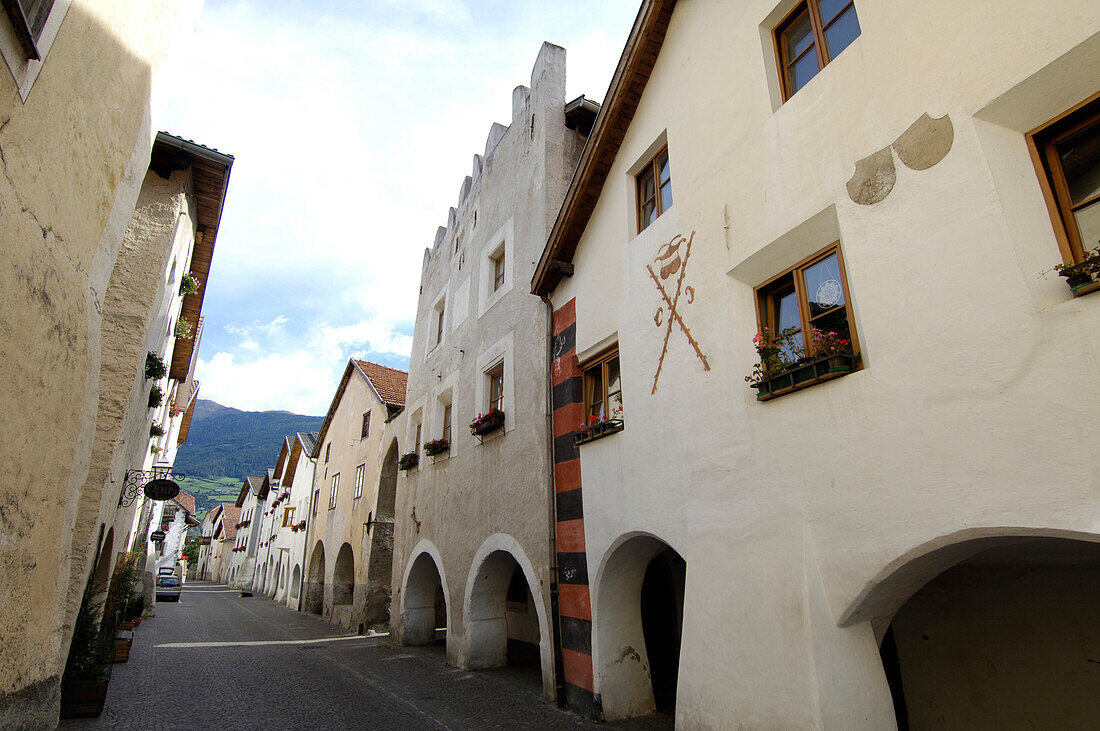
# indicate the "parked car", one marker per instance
pixel 168 587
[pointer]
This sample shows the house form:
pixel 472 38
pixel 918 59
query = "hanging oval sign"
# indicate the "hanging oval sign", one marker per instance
pixel 157 535
pixel 161 489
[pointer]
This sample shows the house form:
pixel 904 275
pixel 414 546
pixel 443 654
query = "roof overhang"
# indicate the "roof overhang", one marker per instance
pixel 621 102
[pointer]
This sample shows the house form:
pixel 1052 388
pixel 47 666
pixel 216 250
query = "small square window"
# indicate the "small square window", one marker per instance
pixel 603 388
pixel 316 501
pixel 335 488
pixel 496 387
pixel 366 426
pixel 358 482
pixel 1069 161
pixel 654 184
pixel 498 271
pixel 814 33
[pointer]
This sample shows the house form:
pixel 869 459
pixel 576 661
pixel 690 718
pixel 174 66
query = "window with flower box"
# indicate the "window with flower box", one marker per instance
pixel 288 517
pixel 496 386
pixel 812 35
pixel 603 397
pixel 1066 152
pixel 805 319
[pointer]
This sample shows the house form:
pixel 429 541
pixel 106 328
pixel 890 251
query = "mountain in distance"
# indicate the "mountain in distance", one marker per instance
pixel 226 442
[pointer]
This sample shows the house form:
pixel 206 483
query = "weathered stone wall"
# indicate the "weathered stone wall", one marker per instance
pixel 72 158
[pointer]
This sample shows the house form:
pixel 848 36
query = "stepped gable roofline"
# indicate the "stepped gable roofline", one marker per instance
pixel 620 103
pixel 391 380
pixel 210 171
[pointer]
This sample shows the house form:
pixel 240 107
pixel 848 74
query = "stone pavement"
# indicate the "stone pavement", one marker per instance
pixel 217 660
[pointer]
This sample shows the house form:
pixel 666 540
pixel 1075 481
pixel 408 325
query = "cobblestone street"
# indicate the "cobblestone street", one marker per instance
pixel 217 660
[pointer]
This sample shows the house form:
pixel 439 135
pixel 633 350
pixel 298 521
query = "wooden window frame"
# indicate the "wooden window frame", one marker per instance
pixel 365 431
pixel 416 441
pixel 601 361
pixel 288 516
pixel 29 30
pixel 445 432
pixel 498 271
pixel 650 168
pixel 335 489
pixel 765 298
pixel 821 44
pixel 494 374
pixel 358 492
pixel 1042 146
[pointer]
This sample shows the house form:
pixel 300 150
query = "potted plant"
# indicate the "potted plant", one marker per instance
pixel 155 367
pixel 486 423
pixel 183 329
pixel 778 356
pixel 87 669
pixel 156 396
pixel 156 430
pixel 436 446
pixel 173 409
pixel 834 348
pixel 189 284
pixel 408 461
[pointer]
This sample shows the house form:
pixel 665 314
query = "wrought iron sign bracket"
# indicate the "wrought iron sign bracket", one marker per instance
pixel 136 480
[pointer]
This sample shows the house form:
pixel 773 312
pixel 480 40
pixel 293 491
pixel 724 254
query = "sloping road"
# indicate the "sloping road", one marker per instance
pixel 220 661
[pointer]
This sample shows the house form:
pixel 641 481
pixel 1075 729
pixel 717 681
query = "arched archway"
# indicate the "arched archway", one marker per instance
pixel 295 581
pixel 506 623
pixel 315 582
pixel 343 577
pixel 380 562
pixel 638 622
pixel 277 578
pixel 1000 631
pixel 424 604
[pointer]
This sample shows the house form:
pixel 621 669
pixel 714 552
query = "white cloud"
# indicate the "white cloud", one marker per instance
pixel 295 381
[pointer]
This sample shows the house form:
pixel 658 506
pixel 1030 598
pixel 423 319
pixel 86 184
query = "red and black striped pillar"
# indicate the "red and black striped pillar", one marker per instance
pixel 574 601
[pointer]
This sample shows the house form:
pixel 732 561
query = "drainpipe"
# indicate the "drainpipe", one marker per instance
pixel 552 508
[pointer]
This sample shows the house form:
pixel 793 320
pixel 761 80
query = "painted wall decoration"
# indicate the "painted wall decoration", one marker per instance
pixel 672 260
pixel 922 145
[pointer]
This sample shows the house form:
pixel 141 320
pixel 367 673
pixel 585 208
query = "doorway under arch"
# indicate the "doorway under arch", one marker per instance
pixel 424 606
pixel 639 622
pixel 343 577
pixel 295 581
pixel 502 618
pixel 1005 637
pixel 315 582
pixel 380 563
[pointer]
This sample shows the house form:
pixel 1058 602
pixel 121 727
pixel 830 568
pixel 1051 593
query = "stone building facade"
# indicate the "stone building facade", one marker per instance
pixel 473 542
pixel 349 529
pixel 898 524
pixel 80 310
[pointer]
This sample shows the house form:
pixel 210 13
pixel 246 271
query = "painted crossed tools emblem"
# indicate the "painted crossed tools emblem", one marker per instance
pixel 672 259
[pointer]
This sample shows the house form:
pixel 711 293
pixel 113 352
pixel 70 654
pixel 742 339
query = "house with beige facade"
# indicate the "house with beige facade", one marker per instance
pixel 223 542
pixel 84 297
pixel 473 543
pixel 823 453
pixel 349 529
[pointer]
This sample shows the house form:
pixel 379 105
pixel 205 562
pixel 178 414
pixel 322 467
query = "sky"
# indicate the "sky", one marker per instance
pixel 352 125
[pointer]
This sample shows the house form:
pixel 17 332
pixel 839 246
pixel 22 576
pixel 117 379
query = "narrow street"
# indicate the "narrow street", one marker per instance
pixel 218 660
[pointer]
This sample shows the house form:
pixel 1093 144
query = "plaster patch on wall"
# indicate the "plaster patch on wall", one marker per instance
pixel 925 142
pixel 873 179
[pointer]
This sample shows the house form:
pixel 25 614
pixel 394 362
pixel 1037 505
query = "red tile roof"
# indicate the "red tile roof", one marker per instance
pixel 186 501
pixel 389 382
pixel 231 515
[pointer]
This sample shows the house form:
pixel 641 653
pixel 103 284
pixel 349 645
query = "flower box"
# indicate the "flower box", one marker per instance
pixel 1081 278
pixel 597 430
pixel 803 375
pixel 121 650
pixel 488 423
pixel 83 698
pixel 408 461
pixel 436 446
